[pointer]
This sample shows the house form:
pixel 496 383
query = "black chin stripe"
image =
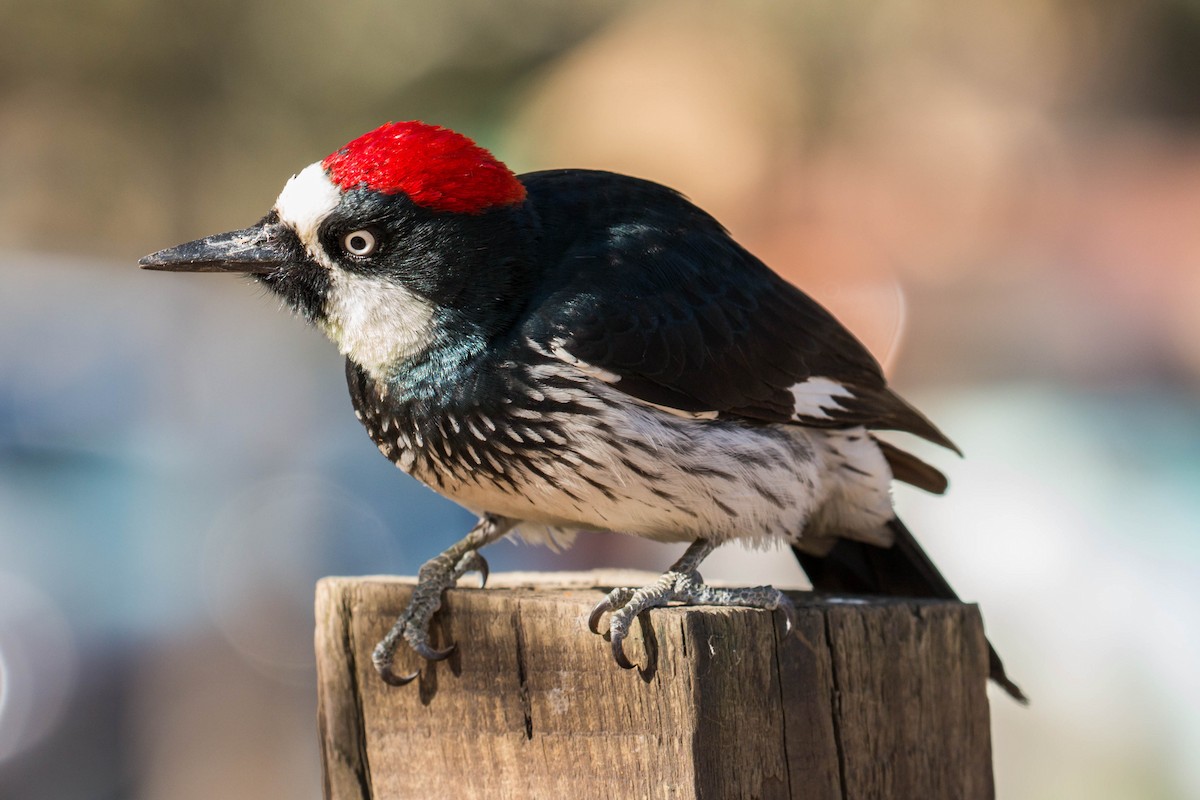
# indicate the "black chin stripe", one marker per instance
pixel 301 282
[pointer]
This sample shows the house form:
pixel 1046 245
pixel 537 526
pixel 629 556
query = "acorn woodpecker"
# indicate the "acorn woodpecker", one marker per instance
pixel 574 349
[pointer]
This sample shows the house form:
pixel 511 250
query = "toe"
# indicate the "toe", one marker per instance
pixel 382 657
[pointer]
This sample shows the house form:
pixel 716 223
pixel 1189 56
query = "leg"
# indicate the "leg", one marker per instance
pixel 681 583
pixel 436 575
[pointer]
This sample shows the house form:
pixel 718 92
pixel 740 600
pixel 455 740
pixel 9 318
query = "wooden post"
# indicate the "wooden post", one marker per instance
pixel 867 699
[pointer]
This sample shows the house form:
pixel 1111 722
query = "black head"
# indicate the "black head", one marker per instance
pixel 406 237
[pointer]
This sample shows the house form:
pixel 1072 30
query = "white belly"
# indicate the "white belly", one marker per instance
pixel 636 469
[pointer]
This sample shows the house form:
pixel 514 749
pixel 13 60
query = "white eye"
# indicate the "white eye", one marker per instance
pixel 359 243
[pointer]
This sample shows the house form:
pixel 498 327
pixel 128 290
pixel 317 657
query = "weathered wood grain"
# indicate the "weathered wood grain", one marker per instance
pixel 866 699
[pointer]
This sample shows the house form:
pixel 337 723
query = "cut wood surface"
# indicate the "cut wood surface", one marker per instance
pixel 868 698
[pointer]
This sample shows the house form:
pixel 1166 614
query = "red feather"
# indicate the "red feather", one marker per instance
pixel 436 167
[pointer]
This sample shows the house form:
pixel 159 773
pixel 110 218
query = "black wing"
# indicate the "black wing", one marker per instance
pixel 653 294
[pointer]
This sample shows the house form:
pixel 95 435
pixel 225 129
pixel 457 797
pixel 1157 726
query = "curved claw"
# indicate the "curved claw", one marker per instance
pixel 600 609
pixel 475 562
pixel 618 650
pixel 789 615
pixel 430 653
pixel 391 678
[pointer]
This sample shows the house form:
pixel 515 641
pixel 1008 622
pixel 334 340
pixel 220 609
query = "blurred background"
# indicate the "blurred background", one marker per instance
pixel 1001 197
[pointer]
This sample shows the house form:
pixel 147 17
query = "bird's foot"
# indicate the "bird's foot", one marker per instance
pixel 683 587
pixel 436 576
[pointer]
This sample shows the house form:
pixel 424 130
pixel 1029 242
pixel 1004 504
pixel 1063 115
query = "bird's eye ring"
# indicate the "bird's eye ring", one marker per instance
pixel 360 243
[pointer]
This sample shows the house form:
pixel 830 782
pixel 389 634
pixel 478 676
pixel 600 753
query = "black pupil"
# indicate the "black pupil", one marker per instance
pixel 358 242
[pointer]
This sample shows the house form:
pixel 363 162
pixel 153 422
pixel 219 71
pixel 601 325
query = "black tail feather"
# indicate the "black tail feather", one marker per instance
pixel 911 470
pixel 903 570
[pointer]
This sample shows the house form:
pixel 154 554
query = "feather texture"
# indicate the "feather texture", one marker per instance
pixel 654 292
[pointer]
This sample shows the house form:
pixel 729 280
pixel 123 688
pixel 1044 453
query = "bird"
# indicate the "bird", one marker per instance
pixel 573 349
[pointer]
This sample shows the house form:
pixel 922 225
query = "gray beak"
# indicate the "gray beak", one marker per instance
pixel 259 249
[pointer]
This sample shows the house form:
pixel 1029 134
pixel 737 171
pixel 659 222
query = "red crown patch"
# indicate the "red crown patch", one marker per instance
pixel 436 167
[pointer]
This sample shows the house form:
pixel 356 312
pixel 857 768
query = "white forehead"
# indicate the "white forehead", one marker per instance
pixel 305 201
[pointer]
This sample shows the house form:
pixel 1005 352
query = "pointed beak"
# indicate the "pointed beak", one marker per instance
pixel 256 250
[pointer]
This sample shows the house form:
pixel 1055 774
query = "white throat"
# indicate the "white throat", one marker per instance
pixel 376 322
pixel 373 320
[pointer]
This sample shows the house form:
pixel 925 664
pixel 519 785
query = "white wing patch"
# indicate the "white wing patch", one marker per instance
pixel 815 397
